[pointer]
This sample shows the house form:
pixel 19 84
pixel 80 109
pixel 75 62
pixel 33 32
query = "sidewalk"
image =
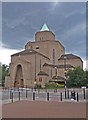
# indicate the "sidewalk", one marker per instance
pixel 43 109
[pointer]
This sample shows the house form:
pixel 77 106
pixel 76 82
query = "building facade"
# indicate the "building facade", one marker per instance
pixel 43 60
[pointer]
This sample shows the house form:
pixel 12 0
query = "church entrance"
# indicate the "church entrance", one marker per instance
pixel 19 81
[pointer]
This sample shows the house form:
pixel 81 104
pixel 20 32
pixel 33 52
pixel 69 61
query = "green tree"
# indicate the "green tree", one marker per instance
pixel 0 74
pixel 3 72
pixel 86 78
pixel 76 77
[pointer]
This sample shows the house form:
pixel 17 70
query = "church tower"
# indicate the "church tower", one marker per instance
pixel 46 44
pixel 44 34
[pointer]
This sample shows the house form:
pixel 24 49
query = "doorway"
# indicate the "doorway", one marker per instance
pixel 19 82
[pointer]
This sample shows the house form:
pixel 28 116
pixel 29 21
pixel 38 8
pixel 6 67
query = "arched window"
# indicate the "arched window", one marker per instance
pixel 53 56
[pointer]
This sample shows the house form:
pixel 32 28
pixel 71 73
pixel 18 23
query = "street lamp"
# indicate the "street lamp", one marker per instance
pixel 56 72
pixel 65 72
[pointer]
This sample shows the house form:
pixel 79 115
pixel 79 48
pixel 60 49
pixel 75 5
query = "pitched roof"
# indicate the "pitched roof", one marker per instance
pixel 43 41
pixel 44 28
pixel 58 78
pixel 69 56
pixel 42 73
pixel 28 51
pixel 58 66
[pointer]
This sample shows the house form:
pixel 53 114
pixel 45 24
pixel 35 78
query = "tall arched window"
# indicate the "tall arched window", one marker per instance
pixel 53 56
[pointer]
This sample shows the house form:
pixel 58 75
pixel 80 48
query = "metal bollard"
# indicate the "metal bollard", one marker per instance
pixel 19 95
pixel 61 96
pixel 48 96
pixel 65 93
pixel 10 94
pixel 33 95
pixel 84 93
pixel 12 97
pixel 77 97
pixel 26 93
pixel 68 94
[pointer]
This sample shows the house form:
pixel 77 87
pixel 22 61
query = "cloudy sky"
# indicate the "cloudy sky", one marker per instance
pixel 20 21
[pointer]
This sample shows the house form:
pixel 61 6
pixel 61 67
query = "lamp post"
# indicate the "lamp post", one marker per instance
pixel 56 72
pixel 56 77
pixel 65 71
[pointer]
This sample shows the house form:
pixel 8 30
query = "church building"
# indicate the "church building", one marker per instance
pixel 43 60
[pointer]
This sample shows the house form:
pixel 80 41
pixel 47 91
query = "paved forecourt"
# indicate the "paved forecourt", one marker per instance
pixel 44 109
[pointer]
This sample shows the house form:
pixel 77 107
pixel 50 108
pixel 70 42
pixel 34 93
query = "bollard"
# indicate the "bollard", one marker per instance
pixel 33 95
pixel 19 95
pixel 26 93
pixel 65 93
pixel 61 96
pixel 48 96
pixel 77 97
pixel 10 94
pixel 84 93
pixel 12 97
pixel 68 94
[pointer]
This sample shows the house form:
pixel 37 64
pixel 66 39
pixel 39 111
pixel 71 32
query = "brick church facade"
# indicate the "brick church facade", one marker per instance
pixel 42 61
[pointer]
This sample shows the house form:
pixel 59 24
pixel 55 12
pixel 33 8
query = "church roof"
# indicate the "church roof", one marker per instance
pixel 43 73
pixel 44 28
pixel 69 56
pixel 58 66
pixel 58 78
pixel 28 51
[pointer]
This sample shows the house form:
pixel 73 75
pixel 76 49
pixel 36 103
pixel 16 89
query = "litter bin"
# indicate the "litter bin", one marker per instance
pixel 73 95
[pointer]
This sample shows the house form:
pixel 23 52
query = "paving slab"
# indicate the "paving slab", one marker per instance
pixel 44 109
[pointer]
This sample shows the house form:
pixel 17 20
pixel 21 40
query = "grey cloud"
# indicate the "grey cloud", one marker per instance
pixel 66 20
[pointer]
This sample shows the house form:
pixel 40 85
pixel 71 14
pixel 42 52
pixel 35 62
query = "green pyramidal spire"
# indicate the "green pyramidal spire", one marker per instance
pixel 44 28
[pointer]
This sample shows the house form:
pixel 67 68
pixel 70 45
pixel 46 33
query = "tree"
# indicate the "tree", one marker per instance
pixel 86 79
pixel 77 77
pixel 3 72
pixel 0 75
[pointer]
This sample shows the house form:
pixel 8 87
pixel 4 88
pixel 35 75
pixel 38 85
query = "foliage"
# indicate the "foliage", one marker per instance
pixel 53 85
pixel 77 77
pixel 38 86
pixel 3 72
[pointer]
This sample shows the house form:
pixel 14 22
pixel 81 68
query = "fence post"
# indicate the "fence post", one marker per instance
pixel 33 95
pixel 48 96
pixel 61 96
pixel 77 97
